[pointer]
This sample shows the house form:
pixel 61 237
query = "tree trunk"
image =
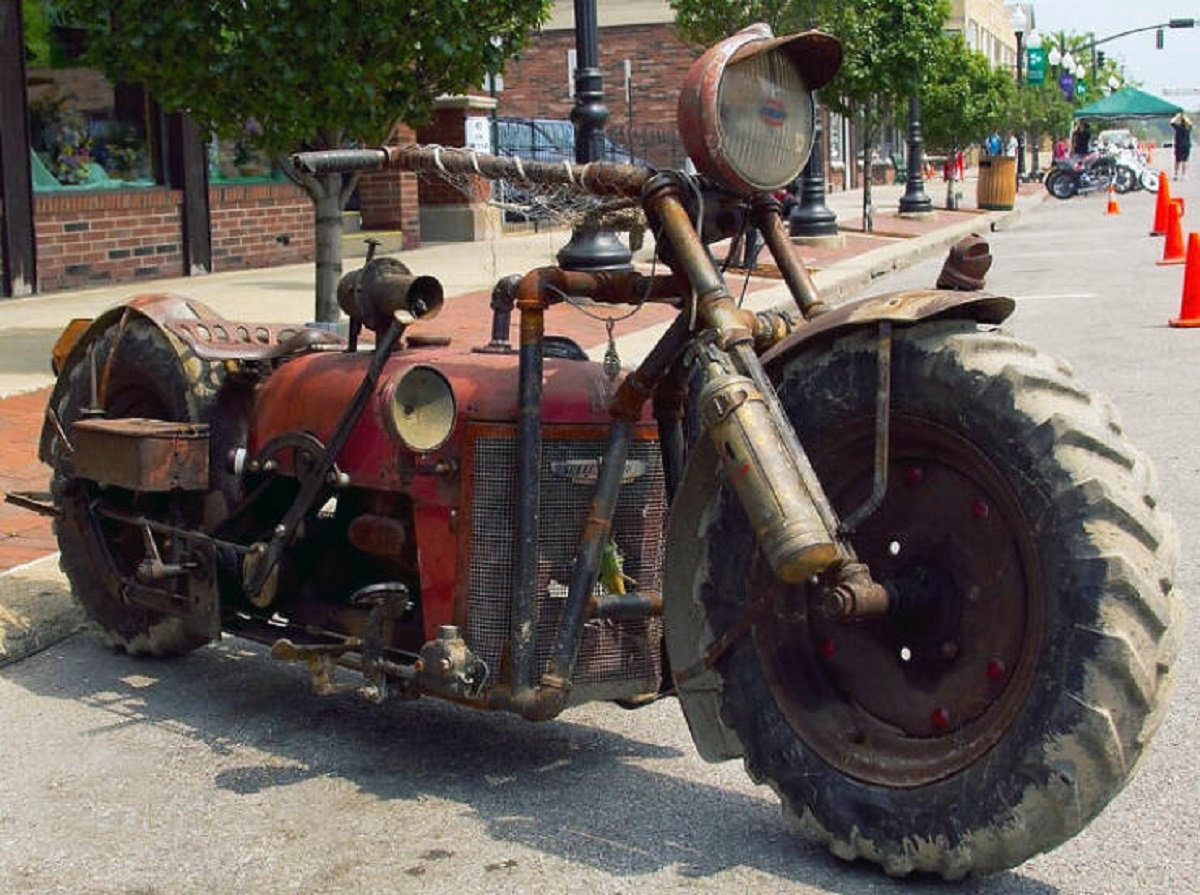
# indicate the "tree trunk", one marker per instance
pixel 328 204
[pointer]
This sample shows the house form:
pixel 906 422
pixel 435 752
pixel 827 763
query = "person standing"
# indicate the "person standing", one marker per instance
pixel 1182 126
pixel 1081 140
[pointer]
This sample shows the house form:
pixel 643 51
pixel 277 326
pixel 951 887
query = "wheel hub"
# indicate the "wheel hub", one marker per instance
pixel 922 692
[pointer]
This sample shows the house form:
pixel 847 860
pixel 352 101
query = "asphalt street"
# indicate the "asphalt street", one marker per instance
pixel 222 772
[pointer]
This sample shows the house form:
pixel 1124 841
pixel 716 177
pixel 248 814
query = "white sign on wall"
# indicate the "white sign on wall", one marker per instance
pixel 478 134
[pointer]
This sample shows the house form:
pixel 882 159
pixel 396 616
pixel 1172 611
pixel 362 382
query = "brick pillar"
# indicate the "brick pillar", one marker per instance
pixel 449 213
pixel 388 200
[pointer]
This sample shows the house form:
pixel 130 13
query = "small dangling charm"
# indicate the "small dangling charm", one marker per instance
pixel 612 360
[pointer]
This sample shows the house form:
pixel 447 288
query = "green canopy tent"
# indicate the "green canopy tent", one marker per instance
pixel 1128 102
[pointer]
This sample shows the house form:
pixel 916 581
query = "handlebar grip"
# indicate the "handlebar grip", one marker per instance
pixel 331 161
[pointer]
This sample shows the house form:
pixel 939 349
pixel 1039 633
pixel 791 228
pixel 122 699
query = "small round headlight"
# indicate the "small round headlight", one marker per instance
pixel 422 409
pixel 746 109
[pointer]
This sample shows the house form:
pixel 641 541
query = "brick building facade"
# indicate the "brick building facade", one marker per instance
pixel 538 84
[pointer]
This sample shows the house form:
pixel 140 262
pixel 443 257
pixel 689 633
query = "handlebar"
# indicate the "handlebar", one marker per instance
pixel 598 178
pixel 332 161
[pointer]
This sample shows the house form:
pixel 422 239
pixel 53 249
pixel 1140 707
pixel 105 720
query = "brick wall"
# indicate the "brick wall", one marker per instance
pixel 92 238
pixel 447 127
pixel 536 86
pixel 260 225
pixel 387 200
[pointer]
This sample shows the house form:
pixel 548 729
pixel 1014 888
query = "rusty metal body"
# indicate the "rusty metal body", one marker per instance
pixel 372 549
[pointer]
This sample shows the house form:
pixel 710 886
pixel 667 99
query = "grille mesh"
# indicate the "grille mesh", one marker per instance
pixel 626 651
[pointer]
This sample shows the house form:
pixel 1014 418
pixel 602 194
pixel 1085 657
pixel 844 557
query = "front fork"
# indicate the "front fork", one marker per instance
pixel 763 459
pixel 764 462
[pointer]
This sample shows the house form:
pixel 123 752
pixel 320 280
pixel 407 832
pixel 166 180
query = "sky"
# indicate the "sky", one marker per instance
pixel 1161 72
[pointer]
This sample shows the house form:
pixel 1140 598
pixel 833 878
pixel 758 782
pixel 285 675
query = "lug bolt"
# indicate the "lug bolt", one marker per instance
pixel 996 670
pixel 914 475
pixel 940 718
pixel 980 508
pixel 826 649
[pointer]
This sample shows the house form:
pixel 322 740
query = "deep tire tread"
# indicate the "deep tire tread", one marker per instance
pixel 1114 659
pixel 140 353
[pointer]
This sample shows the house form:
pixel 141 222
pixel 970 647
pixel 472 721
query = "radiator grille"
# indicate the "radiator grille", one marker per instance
pixel 611 652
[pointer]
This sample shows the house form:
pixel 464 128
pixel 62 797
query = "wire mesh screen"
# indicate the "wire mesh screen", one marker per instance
pixel 525 199
pixel 611 651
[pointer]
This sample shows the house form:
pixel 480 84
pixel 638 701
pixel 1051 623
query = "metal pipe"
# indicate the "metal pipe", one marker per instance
pixel 769 220
pixel 883 404
pixel 586 570
pixel 529 464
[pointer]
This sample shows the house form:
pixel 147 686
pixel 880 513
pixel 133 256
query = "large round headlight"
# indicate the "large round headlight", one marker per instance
pixel 746 109
pixel 422 409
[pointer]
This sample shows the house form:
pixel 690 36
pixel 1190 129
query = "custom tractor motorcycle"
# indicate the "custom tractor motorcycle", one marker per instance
pixel 895 559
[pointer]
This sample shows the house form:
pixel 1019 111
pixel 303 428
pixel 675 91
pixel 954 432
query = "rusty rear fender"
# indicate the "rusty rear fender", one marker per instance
pixel 72 345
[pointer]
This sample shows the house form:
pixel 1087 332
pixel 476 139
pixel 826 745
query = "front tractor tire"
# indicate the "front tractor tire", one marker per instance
pixel 1010 693
pixel 142 377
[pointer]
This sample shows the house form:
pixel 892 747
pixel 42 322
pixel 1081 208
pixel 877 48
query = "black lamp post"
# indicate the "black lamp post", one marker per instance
pixel 1019 22
pixel 590 248
pixel 811 216
pixel 915 200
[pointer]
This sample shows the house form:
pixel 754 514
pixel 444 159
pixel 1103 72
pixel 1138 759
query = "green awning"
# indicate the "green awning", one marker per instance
pixel 1128 102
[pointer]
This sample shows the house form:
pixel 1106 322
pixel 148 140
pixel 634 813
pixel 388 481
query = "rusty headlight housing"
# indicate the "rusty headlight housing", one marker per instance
pixel 422 409
pixel 746 108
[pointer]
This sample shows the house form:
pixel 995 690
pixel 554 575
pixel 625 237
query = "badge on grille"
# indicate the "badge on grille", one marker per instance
pixel 587 472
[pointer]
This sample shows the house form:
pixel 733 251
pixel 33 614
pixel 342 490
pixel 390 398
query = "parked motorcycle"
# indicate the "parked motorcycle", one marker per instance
pixel 901 563
pixel 1075 175
pixel 1133 172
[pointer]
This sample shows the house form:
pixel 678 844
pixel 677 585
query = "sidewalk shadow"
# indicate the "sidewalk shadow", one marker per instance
pixel 579 792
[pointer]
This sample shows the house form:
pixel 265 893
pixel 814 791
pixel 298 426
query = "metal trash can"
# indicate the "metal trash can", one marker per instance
pixel 997 187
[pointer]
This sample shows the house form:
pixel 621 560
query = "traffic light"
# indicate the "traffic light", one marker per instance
pixel 1158 39
pixel 1100 57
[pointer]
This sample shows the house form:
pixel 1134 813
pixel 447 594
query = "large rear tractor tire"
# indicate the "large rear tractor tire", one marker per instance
pixel 139 375
pixel 1025 664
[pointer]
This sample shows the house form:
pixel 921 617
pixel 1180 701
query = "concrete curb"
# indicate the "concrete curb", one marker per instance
pixel 36 609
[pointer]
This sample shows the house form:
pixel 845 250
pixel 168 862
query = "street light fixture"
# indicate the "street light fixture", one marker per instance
pixel 590 248
pixel 1019 23
pixel 915 200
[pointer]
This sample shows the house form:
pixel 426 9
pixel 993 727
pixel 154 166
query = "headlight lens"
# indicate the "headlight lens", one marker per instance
pixel 422 409
pixel 766 120
pixel 746 109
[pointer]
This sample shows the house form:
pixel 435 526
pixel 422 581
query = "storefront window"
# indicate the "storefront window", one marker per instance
pixel 237 160
pixel 85 133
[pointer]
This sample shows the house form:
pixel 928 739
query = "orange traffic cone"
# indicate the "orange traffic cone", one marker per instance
pixel 1162 208
pixel 1189 310
pixel 1173 248
pixel 1113 207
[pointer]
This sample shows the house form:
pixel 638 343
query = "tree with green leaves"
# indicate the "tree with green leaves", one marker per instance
pixel 889 49
pixel 310 74
pixel 1046 112
pixel 963 99
pixel 704 22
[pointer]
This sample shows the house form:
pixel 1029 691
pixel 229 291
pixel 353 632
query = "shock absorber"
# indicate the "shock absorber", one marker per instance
pixel 775 487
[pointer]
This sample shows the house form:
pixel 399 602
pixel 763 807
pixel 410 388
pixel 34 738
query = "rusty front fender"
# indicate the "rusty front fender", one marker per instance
pixel 898 308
